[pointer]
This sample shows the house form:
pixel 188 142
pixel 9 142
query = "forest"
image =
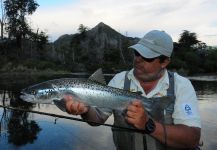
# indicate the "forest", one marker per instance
pixel 23 49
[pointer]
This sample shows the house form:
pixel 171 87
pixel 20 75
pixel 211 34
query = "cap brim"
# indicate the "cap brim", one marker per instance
pixel 144 51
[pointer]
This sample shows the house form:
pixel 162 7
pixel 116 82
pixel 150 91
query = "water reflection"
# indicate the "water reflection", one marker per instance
pixel 206 90
pixel 19 128
pixel 24 130
pixel 207 95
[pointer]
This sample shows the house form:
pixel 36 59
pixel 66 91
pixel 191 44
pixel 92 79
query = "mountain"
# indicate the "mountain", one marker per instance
pixel 99 46
pixel 101 34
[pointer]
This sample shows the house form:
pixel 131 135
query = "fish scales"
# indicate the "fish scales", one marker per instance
pixel 90 92
pixel 93 92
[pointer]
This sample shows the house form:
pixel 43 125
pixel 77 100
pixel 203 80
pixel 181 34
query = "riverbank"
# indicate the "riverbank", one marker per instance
pixel 203 78
pixel 50 72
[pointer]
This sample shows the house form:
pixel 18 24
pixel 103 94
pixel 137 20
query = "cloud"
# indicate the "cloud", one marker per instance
pixel 136 17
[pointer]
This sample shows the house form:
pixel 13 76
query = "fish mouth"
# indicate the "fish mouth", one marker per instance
pixel 27 97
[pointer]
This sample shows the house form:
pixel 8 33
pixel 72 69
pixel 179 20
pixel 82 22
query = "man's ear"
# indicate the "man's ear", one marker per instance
pixel 165 63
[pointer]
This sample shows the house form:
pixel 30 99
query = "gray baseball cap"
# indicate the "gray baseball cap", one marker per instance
pixel 154 44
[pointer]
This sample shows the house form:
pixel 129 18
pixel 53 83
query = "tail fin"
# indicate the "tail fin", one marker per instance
pixel 158 107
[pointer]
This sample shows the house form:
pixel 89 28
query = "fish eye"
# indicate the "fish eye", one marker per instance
pixel 33 92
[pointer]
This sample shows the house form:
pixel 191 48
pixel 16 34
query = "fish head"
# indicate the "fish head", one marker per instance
pixel 39 93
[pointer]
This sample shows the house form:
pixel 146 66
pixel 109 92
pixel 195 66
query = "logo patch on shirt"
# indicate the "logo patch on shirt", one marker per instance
pixel 188 109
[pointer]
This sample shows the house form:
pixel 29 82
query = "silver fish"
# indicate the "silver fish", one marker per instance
pixel 93 92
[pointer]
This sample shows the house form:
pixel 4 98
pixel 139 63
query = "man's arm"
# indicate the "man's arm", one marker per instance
pixel 94 115
pixel 177 136
pixel 87 113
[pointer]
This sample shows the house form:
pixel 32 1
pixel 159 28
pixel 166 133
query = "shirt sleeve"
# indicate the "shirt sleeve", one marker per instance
pixel 118 80
pixel 186 109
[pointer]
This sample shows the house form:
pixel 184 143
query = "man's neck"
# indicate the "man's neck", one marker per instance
pixel 148 86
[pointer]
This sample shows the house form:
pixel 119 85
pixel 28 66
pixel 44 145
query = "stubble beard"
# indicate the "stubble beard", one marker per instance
pixel 148 77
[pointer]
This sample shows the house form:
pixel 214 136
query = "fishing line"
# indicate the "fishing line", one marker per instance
pixel 72 118
pixel 23 110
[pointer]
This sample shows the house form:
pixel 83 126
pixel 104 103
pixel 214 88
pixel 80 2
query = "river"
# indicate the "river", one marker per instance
pixel 24 130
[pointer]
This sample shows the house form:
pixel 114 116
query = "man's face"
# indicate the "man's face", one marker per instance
pixel 148 69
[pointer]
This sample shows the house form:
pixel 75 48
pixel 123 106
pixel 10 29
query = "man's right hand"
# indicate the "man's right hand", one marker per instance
pixel 74 107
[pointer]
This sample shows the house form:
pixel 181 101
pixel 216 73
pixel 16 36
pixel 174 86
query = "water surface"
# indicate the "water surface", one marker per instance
pixel 28 131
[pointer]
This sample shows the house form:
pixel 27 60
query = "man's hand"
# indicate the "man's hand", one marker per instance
pixel 74 107
pixel 136 114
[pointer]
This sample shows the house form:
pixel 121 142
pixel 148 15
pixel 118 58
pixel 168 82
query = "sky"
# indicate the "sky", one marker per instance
pixel 133 18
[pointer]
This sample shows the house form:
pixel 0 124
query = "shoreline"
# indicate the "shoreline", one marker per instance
pixel 203 78
pixel 197 77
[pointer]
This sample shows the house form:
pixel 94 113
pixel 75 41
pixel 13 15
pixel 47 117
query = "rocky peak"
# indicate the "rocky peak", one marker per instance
pixel 104 29
pixel 101 24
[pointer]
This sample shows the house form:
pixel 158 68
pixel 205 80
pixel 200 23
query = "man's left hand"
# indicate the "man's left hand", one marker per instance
pixel 136 114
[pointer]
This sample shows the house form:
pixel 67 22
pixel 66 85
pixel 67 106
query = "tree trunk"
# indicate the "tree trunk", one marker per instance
pixel 2 26
pixel 121 52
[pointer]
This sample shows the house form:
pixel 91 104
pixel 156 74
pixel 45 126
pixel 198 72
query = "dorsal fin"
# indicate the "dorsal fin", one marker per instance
pixel 98 76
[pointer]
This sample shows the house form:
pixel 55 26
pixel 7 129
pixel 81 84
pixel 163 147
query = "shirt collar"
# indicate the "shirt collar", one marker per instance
pixel 163 82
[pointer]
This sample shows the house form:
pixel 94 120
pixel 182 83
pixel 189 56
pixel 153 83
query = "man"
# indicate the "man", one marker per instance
pixel 179 126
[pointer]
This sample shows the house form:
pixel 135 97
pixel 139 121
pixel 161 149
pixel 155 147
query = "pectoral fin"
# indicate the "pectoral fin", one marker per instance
pixel 61 104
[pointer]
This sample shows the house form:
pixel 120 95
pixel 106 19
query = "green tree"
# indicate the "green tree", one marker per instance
pixel 40 38
pixel 210 64
pixel 188 39
pixel 189 53
pixel 16 11
pixel 82 29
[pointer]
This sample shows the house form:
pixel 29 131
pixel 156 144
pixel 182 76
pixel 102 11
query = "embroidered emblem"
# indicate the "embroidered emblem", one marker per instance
pixel 188 109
